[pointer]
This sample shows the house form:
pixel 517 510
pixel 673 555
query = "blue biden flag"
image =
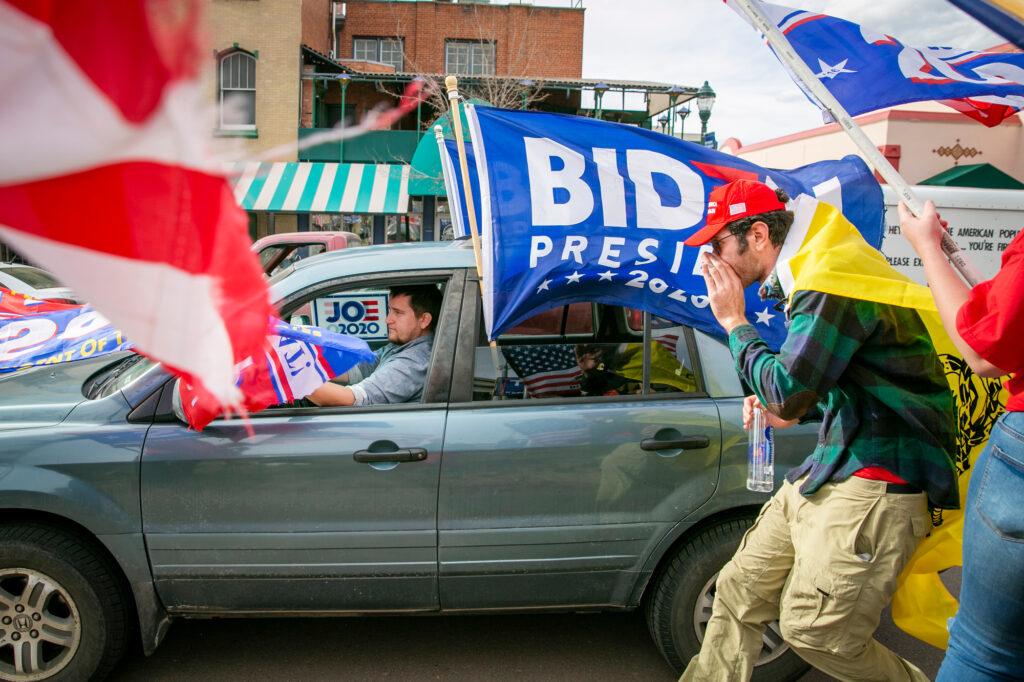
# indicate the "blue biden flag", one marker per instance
pixel 577 209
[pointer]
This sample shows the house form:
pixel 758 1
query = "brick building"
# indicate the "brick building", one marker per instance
pixel 291 69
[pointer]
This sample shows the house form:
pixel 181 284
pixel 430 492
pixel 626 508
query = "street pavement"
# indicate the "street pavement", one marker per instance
pixel 560 647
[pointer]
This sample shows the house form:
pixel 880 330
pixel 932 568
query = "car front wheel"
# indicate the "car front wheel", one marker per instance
pixel 680 607
pixel 62 612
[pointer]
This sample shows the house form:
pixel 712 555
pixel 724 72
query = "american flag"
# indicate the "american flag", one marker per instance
pixel 372 310
pixel 546 371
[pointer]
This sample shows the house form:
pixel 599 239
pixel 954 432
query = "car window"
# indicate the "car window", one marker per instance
pixel 34 277
pixel 360 312
pixel 296 252
pixel 116 376
pixel 597 354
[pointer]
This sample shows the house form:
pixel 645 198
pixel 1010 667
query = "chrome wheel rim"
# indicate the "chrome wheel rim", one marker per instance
pixel 772 644
pixel 40 628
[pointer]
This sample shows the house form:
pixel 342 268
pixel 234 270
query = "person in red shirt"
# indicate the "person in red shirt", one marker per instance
pixel 986 323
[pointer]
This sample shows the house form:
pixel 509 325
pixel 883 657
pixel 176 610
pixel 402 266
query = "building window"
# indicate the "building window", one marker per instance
pixel 385 50
pixel 238 91
pixel 469 57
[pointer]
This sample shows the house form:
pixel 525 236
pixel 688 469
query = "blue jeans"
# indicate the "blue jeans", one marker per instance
pixel 986 640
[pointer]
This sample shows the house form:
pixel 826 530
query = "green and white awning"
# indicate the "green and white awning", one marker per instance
pixel 322 187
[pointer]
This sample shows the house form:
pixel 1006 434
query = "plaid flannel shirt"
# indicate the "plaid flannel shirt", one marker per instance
pixel 872 372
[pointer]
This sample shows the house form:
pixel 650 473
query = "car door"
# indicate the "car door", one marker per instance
pixel 558 499
pixel 303 509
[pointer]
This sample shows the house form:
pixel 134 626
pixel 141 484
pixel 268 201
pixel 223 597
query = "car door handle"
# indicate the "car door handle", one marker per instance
pixel 400 455
pixel 684 443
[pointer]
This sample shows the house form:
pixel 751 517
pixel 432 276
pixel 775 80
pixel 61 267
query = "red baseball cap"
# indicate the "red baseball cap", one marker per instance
pixel 733 201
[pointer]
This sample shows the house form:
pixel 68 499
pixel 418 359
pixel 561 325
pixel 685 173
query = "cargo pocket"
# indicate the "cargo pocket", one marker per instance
pixel 820 602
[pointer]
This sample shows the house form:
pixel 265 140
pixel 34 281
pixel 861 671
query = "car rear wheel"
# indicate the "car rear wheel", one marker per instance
pixel 680 607
pixel 62 612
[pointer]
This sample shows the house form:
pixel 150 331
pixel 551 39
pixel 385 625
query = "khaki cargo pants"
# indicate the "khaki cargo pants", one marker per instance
pixel 825 566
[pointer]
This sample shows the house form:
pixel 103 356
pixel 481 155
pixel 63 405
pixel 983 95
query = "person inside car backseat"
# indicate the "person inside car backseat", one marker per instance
pixel 986 323
pixel 824 555
pixel 400 370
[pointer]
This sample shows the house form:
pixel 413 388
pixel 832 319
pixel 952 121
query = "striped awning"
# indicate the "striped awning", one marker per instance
pixel 322 187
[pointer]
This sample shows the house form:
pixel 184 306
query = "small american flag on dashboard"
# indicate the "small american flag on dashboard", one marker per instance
pixel 546 371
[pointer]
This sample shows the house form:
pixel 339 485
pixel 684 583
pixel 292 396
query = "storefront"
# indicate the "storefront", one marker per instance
pixel 371 200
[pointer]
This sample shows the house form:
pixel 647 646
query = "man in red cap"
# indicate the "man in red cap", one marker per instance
pixel 824 555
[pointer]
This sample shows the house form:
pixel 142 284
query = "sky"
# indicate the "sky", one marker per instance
pixel 689 41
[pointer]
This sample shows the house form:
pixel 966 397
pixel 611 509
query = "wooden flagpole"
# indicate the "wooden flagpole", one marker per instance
pixel 800 70
pixel 451 83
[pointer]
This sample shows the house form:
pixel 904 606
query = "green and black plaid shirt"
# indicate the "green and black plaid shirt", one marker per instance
pixel 872 371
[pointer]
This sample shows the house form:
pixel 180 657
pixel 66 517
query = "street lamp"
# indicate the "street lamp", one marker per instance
pixel 599 90
pixel 343 79
pixel 526 84
pixel 664 122
pixel 673 95
pixel 705 100
pixel 683 112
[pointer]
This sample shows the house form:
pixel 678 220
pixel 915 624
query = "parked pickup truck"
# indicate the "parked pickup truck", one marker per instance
pixel 279 251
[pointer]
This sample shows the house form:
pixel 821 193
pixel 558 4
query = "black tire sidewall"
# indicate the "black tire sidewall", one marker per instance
pixel 682 585
pixel 691 587
pixel 93 614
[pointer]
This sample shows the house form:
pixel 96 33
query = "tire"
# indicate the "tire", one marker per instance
pixel 66 612
pixel 686 584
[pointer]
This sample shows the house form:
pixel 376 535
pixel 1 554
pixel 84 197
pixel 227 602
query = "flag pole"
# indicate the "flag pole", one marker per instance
pixel 445 175
pixel 800 70
pixel 452 84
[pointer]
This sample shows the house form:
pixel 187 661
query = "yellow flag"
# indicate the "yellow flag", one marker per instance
pixel 825 252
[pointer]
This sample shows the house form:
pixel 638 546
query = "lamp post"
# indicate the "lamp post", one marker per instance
pixel 673 95
pixel 705 100
pixel 526 84
pixel 664 122
pixel 599 90
pixel 343 79
pixel 683 112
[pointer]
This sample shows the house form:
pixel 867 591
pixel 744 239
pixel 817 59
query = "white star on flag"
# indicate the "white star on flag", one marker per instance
pixel 605 276
pixel 544 286
pixel 575 277
pixel 831 72
pixel 764 317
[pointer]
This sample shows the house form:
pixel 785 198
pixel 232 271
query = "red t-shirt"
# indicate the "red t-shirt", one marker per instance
pixel 992 320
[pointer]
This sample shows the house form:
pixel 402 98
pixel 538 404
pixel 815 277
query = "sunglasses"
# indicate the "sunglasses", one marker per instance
pixel 716 244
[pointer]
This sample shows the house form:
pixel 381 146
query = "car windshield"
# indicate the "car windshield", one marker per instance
pixel 34 277
pixel 116 376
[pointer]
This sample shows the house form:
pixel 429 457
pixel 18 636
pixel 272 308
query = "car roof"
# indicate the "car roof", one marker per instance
pixel 367 260
pixel 301 238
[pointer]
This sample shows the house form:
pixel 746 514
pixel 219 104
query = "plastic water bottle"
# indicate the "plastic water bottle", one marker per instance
pixel 760 455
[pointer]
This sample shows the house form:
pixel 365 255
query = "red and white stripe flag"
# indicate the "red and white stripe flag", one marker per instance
pixel 105 179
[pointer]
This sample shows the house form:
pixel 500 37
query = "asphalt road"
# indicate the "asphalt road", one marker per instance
pixel 560 647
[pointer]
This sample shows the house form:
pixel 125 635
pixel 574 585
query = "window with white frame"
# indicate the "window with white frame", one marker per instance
pixel 238 91
pixel 385 50
pixel 469 57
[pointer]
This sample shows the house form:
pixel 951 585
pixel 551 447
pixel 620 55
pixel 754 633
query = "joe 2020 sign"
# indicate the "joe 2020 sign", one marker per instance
pixel 360 314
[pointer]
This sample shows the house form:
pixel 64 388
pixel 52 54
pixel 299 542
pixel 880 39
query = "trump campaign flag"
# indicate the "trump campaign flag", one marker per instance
pixel 296 362
pixel 867 70
pixel 34 333
pixel 577 209
pixel 105 181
